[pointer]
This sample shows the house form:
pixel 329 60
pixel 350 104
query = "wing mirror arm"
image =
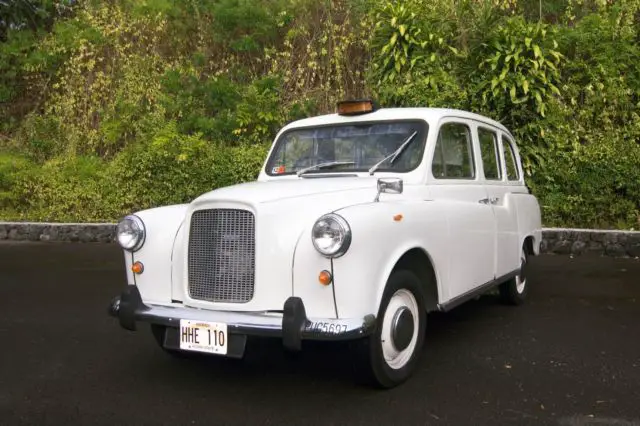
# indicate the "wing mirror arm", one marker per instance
pixel 389 186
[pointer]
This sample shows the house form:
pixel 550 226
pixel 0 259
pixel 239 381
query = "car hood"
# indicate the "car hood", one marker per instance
pixel 296 190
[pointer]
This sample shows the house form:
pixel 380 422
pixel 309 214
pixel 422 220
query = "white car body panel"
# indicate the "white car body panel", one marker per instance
pixel 468 243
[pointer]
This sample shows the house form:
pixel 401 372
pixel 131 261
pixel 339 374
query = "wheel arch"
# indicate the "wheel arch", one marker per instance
pixel 418 261
pixel 528 244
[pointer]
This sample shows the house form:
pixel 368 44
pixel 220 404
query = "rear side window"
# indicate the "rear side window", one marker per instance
pixel 490 154
pixel 453 156
pixel 510 160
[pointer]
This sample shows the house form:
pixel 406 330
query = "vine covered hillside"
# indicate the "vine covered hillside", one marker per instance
pixel 112 106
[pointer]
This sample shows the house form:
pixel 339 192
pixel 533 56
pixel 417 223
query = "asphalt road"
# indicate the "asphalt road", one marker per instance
pixel 571 356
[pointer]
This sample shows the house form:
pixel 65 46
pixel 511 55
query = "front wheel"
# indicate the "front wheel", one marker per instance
pixel 389 356
pixel 514 291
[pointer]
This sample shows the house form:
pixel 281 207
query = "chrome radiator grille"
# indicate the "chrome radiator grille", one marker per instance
pixel 222 255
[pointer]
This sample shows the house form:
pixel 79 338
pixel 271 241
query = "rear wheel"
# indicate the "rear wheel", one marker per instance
pixel 389 356
pixel 514 291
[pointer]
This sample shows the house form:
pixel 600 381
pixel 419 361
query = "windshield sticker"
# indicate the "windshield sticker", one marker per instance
pixel 277 170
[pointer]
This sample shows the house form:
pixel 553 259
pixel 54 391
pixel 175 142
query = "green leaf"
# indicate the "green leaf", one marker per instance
pixel 403 29
pixel 527 41
pixel 512 92
pixel 536 51
pixel 525 86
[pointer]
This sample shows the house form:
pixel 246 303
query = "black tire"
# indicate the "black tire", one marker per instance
pixel 370 365
pixel 512 292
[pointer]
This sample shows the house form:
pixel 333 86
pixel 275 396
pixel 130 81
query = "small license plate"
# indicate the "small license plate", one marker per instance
pixel 203 336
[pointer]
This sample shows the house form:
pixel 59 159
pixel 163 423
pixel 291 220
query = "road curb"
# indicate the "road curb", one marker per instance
pixel 564 241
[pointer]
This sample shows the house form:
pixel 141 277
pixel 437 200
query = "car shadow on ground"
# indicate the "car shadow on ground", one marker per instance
pixel 330 362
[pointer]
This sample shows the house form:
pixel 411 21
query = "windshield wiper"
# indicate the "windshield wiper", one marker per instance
pixel 324 166
pixel 394 154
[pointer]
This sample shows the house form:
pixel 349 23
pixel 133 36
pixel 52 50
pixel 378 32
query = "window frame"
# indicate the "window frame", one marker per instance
pixel 474 154
pixel 510 144
pixel 497 146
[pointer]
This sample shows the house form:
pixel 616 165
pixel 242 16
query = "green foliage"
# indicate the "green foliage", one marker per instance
pixel 62 189
pixel 521 62
pixel 110 107
pixel 170 168
pixel 595 187
pixel 415 59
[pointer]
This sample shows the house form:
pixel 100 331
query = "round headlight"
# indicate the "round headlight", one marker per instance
pixel 331 235
pixel 131 233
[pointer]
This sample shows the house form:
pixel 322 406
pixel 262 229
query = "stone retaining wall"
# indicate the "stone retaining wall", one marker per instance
pixel 555 240
pixel 591 241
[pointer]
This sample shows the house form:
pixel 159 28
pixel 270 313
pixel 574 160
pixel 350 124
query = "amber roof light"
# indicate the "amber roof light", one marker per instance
pixel 355 107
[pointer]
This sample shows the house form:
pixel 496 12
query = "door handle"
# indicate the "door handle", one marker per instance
pixel 492 200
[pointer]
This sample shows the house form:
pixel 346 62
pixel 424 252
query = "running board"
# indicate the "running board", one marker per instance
pixel 459 300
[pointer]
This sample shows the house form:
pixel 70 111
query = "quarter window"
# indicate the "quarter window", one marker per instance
pixel 510 160
pixel 490 154
pixel 453 156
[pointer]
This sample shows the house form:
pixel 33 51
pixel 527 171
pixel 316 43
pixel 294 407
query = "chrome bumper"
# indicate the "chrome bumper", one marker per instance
pixel 292 324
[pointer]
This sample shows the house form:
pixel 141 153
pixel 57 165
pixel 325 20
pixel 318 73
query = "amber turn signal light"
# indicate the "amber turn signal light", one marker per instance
pixel 137 268
pixel 325 278
pixel 398 217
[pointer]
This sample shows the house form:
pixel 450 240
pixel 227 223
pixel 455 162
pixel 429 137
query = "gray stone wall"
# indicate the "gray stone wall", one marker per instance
pixel 67 232
pixel 591 241
pixel 555 240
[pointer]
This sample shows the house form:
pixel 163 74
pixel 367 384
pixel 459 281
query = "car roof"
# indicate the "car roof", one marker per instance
pixel 431 115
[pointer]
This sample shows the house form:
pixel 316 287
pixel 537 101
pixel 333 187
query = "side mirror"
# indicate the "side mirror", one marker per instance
pixel 389 186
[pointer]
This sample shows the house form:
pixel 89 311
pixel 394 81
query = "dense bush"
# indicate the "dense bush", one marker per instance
pixel 108 107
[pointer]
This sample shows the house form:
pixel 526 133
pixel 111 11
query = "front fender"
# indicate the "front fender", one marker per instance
pixel 161 225
pixel 378 242
pixel 307 264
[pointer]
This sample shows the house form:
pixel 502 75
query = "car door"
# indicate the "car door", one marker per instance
pixel 454 184
pixel 502 180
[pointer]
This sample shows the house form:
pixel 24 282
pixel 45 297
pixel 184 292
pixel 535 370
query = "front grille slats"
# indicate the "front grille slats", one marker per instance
pixel 221 257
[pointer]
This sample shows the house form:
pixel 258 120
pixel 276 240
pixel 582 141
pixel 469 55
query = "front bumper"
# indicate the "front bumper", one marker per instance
pixel 291 325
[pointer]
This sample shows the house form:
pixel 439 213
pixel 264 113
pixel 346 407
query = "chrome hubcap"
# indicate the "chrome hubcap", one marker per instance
pixel 399 335
pixel 521 278
pixel 402 328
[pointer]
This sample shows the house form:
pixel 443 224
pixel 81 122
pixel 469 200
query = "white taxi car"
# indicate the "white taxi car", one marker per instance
pixel 359 224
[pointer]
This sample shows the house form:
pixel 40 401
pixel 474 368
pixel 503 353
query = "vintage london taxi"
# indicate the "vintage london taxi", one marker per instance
pixel 359 224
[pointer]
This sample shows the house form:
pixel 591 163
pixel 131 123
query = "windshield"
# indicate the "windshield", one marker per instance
pixel 349 148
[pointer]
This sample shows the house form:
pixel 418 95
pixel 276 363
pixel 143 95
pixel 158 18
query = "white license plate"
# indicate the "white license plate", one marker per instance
pixel 204 336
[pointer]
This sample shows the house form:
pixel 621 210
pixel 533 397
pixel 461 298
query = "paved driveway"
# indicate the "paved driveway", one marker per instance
pixel 571 356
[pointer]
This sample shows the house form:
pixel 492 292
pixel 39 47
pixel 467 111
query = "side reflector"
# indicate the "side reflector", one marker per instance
pixel 355 107
pixel 398 217
pixel 137 268
pixel 325 278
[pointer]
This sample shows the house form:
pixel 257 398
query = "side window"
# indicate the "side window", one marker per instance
pixel 490 154
pixel 510 160
pixel 453 156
